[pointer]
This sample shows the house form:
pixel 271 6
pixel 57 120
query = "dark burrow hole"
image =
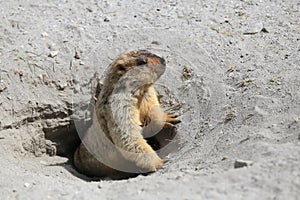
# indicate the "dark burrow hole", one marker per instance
pixel 65 138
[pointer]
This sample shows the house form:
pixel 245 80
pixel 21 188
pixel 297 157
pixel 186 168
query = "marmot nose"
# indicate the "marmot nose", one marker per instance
pixel 159 66
pixel 158 69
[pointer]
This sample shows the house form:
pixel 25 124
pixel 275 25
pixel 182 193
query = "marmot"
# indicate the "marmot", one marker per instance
pixel 127 110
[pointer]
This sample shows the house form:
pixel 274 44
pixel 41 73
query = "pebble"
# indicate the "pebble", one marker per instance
pixel 242 163
pixel 44 34
pixel 173 3
pixel 61 85
pixel 155 42
pixel 45 78
pixel 76 56
pixel 52 54
pixel 27 185
pixel 2 88
pixel 254 27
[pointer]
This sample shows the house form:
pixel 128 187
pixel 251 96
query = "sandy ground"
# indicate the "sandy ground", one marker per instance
pixel 241 99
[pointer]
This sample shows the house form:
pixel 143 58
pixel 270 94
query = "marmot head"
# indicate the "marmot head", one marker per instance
pixel 127 61
pixel 132 59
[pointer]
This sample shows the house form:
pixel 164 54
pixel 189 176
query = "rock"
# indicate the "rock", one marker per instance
pixel 255 28
pixel 50 148
pixel 187 73
pixel 53 54
pixel 27 185
pixel 44 34
pixel 45 78
pixel 155 42
pixel 242 163
pixel 36 145
pixel 89 9
pixel 2 87
pixel 264 30
pixel 173 3
pixel 76 56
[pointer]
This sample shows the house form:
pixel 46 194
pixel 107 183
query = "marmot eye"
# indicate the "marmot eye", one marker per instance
pixel 141 61
pixel 121 67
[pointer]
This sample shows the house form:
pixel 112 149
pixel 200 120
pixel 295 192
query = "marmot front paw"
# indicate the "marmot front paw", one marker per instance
pixel 150 162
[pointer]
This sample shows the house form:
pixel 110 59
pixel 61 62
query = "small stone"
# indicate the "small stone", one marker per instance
pixel 27 185
pixel 187 73
pixel 45 78
pixel 231 69
pixel 89 9
pixel 61 85
pixel 155 42
pixel 242 163
pixel 264 30
pixel 224 158
pixel 241 13
pixel 76 56
pixel 44 34
pixel 254 28
pixel 2 87
pixel 173 3
pixel 106 19
pixel 52 54
pixel 81 63
pixel 50 148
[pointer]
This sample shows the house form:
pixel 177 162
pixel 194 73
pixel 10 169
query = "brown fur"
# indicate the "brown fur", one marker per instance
pixel 114 146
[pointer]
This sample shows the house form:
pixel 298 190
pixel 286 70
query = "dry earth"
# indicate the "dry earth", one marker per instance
pixel 233 64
